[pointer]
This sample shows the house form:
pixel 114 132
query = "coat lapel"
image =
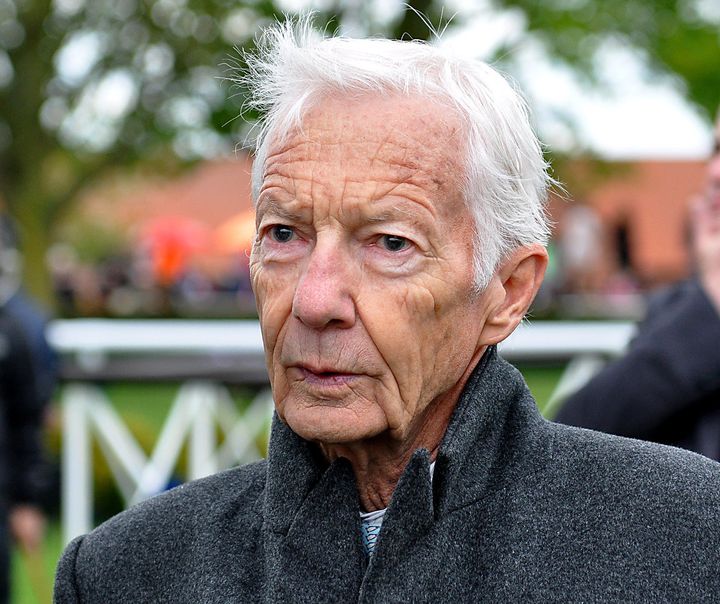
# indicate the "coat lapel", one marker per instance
pixel 313 548
pixel 408 518
pixel 494 409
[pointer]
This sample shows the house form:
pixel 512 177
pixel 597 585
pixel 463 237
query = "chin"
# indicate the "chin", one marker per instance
pixel 331 424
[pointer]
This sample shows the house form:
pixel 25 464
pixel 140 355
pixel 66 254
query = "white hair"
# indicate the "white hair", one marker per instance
pixel 505 181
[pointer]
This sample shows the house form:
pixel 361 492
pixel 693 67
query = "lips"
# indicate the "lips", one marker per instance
pixel 322 376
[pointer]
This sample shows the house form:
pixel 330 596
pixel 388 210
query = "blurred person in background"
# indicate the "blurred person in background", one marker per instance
pixel 666 388
pixel 579 247
pixel 27 382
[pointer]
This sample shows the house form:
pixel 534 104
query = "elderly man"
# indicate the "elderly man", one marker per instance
pixel 400 233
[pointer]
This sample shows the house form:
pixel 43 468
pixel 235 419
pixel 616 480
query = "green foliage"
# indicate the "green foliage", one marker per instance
pixel 93 242
pixel 678 38
pixel 93 86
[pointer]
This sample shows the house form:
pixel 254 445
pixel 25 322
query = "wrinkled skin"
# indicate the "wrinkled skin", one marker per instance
pixel 362 270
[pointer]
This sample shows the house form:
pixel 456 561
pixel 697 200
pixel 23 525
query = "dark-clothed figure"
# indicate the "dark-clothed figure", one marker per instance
pixel 666 388
pixel 27 381
pixel 400 236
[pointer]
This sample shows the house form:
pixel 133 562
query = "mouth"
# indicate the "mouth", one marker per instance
pixel 322 376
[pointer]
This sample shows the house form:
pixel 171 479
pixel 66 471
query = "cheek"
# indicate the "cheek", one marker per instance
pixel 401 320
pixel 273 296
pixel 426 331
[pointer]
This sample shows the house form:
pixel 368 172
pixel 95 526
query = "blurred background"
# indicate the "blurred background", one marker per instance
pixel 121 156
pixel 125 181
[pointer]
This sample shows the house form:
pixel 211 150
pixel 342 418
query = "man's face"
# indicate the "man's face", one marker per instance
pixel 363 270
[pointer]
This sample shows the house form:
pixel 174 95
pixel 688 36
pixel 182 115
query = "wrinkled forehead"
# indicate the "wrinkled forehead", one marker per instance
pixel 416 136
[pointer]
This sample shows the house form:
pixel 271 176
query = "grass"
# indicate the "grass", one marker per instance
pixel 32 576
pixel 144 407
pixel 542 381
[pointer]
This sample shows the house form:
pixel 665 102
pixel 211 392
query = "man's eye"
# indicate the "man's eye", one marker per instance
pixel 394 243
pixel 281 233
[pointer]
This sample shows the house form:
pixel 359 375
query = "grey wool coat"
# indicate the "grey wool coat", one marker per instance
pixel 519 510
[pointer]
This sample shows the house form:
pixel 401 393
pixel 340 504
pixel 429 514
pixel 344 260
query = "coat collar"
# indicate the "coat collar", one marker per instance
pixel 494 417
pixel 304 495
pixel 311 531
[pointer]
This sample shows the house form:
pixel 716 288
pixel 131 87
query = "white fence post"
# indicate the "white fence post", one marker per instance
pixel 198 412
pixel 77 492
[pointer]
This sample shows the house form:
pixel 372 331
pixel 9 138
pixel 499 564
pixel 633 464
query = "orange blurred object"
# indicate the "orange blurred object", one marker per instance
pixel 237 233
pixel 172 242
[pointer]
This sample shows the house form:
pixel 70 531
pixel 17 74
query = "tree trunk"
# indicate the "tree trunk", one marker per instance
pixel 35 239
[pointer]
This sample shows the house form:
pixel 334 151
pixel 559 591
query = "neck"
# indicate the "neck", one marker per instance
pixel 378 465
pixel 379 462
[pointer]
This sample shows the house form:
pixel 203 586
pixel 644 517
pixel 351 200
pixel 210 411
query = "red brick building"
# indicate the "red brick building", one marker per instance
pixel 642 207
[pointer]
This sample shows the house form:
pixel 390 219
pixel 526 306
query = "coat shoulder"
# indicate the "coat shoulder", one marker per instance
pixel 641 473
pixel 609 506
pixel 180 527
pixel 231 492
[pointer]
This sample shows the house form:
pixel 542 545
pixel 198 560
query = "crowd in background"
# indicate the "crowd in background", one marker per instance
pixel 129 283
pixel 126 285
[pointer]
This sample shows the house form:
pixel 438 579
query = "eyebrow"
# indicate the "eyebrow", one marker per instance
pixel 274 208
pixel 398 211
pixel 382 217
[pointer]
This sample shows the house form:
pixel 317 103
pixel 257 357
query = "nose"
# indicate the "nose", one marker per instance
pixel 324 294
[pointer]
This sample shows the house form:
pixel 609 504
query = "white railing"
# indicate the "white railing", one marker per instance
pixel 200 410
pixel 203 354
pixel 91 340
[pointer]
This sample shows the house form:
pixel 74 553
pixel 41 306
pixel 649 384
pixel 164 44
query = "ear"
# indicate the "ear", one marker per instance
pixel 515 284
